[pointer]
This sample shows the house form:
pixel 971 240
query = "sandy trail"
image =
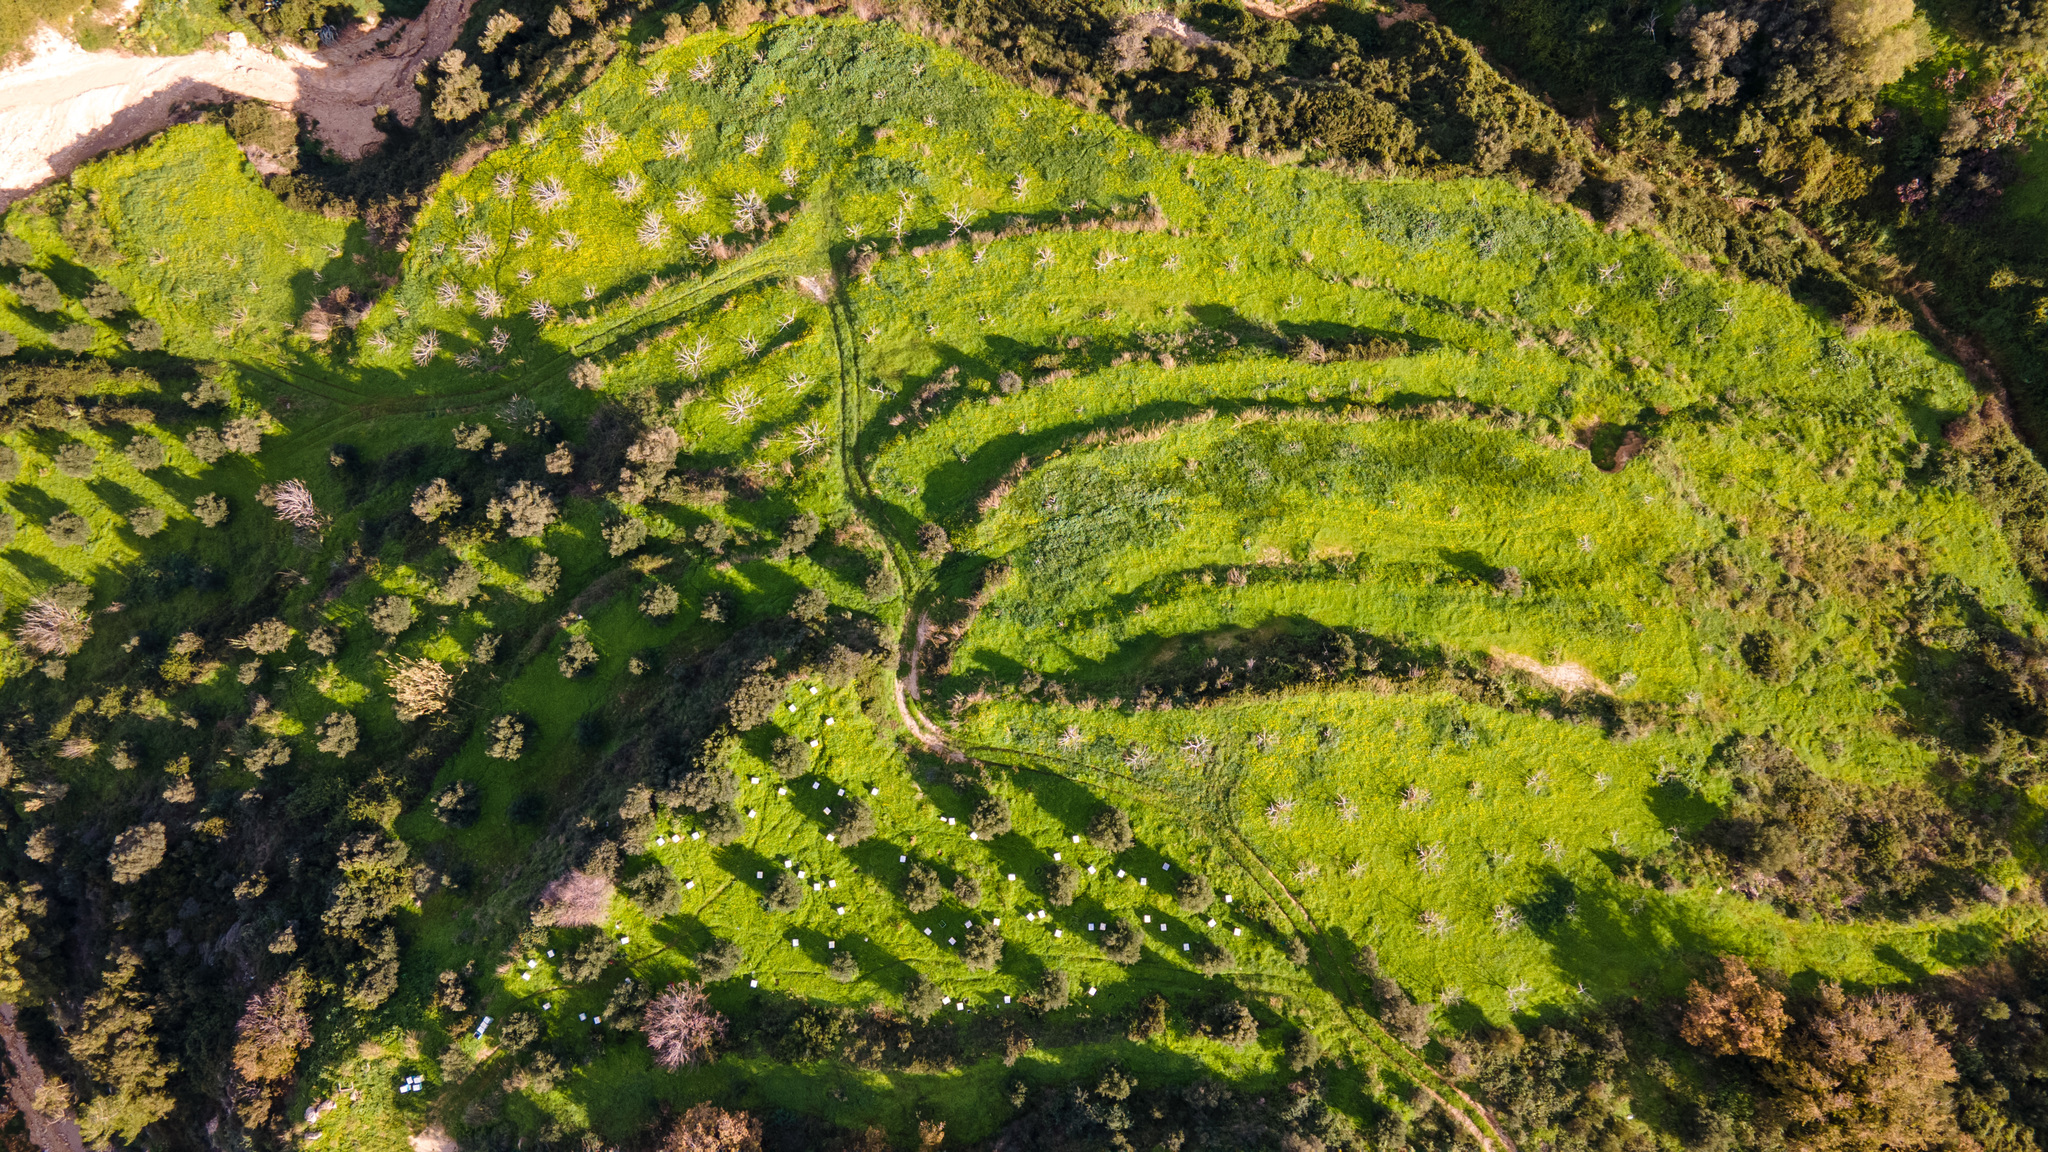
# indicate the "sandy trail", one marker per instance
pixel 67 105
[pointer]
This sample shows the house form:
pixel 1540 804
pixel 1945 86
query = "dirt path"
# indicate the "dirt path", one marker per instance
pixel 67 105
pixel 58 1135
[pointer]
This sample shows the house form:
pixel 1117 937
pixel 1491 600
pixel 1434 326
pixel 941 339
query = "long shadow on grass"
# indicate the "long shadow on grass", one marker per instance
pixel 1614 940
pixel 1274 653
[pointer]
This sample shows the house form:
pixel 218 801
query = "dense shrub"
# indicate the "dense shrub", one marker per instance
pixel 655 893
pixel 392 615
pixel 1302 1050
pixel 266 636
pixel 526 509
pixel 462 585
pixel 755 700
pixel 1110 831
pixel 1148 1019
pixel 435 499
pixel 660 601
pixel 719 960
pixel 136 851
pixel 798 537
pixel 1055 989
pixel 983 949
pixel 785 893
pixel 68 530
pixel 337 734
pixel 588 960
pixel 625 535
pixel 856 823
pixel 722 825
pixel 39 292
pixel 544 575
pixel 990 819
pixel 1122 940
pixel 205 443
pixel 75 460
pixel 921 997
pixel 1230 1022
pixel 147 521
pixel 105 301
pixel 1062 884
pixel 881 586
pixel 1406 1020
pixel 507 736
pixel 1826 847
pixel 144 452
pixel 967 890
pixel 458 804
pixel 843 968
pixel 790 756
pixel 1194 893
pixel 922 890
pixel 577 655
pixel 810 606
pixel 211 509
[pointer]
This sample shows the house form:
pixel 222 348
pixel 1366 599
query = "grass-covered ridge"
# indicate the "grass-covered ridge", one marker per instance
pixel 1420 565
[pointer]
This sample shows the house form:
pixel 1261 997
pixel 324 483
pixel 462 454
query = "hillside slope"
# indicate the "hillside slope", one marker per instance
pixel 1077 618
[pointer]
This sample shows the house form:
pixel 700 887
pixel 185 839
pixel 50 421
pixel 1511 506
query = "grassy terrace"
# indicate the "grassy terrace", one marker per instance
pixel 1180 418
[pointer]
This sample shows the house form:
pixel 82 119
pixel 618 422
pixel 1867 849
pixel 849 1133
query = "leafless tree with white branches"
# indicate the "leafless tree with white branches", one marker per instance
pixel 739 404
pixel 682 1026
pixel 475 247
pixel 653 231
pixel 548 194
pixel 597 140
pixel 295 506
pixel 690 357
pixel 53 629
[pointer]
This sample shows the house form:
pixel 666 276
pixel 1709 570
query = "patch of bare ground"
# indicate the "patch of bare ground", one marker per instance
pixel 1565 676
pixel 66 105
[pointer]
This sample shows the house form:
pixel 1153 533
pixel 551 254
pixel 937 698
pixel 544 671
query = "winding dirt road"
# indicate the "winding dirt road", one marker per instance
pixel 66 105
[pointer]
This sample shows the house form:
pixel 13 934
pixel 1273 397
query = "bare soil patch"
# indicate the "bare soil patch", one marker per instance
pixel 66 105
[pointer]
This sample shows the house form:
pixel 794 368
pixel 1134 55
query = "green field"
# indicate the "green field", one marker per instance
pixel 1233 462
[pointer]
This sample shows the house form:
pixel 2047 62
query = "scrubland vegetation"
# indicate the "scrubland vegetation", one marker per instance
pixel 809 596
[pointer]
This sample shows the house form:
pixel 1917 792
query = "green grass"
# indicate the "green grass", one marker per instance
pixel 1147 510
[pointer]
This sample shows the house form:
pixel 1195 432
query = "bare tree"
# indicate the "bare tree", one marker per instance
pixel 709 1128
pixel 682 1026
pixel 739 404
pixel 577 900
pixel 690 357
pixel 53 629
pixel 548 194
pixel 653 229
pixel 295 506
pixel 420 687
pixel 475 247
pixel 597 140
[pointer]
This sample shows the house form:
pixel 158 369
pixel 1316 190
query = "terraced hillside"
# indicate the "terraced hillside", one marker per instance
pixel 1066 642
